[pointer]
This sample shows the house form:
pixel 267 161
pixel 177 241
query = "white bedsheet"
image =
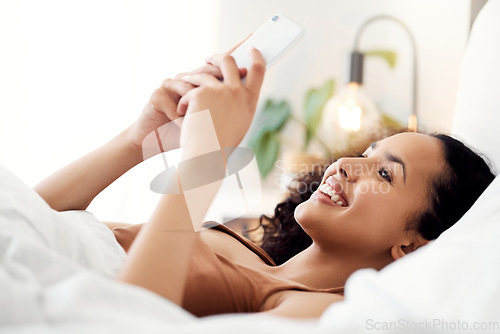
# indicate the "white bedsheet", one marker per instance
pixel 57 269
pixel 59 266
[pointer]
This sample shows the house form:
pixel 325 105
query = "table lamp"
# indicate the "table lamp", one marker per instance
pixel 352 109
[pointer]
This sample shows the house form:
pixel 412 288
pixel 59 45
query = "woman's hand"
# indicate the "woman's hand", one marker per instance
pixel 231 102
pixel 162 106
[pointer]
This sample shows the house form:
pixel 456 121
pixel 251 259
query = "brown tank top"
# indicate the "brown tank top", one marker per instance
pixel 216 285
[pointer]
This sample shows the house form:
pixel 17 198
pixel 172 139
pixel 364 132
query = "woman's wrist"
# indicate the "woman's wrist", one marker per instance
pixel 129 144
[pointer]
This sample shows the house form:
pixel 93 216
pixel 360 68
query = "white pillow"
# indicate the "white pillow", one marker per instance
pixel 477 113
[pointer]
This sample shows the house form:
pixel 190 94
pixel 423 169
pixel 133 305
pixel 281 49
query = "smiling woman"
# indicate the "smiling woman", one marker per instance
pixel 370 228
pixel 369 211
pixel 402 192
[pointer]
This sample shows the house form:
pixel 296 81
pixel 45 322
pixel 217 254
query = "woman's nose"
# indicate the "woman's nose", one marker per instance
pixel 343 173
pixel 350 168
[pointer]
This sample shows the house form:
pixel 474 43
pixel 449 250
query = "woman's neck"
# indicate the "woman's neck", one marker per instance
pixel 320 269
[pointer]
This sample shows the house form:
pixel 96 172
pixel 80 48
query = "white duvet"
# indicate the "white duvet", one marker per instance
pixel 57 269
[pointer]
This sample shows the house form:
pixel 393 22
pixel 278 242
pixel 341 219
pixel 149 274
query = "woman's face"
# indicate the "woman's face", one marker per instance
pixel 373 197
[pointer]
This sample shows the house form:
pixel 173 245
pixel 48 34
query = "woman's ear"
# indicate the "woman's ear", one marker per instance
pixel 398 251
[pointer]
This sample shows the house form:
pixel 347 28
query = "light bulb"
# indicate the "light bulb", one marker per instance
pixel 347 113
pixel 350 117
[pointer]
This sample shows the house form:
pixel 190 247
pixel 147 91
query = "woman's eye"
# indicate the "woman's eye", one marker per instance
pixel 385 174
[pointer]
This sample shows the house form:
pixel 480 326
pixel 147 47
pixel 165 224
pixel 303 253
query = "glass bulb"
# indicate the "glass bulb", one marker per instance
pixel 349 112
pixel 350 117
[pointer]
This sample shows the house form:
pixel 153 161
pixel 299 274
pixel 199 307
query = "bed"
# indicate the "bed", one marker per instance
pixel 57 268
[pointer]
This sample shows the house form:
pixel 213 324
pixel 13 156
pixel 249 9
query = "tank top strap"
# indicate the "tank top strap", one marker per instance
pixel 247 243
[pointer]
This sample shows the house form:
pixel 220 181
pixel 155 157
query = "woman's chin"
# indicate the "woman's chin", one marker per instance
pixel 304 211
pixel 313 212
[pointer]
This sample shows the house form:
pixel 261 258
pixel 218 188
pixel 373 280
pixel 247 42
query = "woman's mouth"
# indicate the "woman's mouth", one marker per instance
pixel 328 189
pixel 324 198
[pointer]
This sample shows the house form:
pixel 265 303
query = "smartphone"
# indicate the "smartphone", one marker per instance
pixel 273 39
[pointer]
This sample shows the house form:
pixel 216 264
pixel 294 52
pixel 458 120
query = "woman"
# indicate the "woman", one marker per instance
pixel 368 211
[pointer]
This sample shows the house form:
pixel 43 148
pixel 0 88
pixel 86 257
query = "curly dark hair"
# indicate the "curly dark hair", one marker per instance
pixel 453 192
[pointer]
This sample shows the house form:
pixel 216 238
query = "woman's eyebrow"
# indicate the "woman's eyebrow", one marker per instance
pixel 395 158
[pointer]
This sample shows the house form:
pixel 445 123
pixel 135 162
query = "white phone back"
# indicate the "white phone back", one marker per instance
pixel 272 39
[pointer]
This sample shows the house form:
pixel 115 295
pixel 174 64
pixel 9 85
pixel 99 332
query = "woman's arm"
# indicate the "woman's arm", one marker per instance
pixel 158 258
pixel 75 186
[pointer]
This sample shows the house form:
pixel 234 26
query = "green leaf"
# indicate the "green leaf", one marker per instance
pixel 388 55
pixel 315 101
pixel 274 115
pixel 272 118
pixel 266 150
pixel 264 139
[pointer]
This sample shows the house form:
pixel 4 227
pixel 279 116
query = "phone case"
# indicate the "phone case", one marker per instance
pixel 273 39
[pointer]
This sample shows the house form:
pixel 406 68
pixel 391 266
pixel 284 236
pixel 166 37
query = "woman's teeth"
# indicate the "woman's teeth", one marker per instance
pixel 328 190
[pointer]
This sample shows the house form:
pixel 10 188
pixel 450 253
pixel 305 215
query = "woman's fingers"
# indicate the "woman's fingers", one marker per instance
pixel 212 70
pixel 228 52
pixel 176 88
pixel 230 71
pixel 165 98
pixel 256 72
pixel 243 72
pixel 196 80
pixel 202 79
pixel 207 68
pixel 231 74
pixel 236 46
pixel 183 104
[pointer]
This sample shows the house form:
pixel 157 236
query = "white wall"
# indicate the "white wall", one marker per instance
pixel 75 73
pixel 440 28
